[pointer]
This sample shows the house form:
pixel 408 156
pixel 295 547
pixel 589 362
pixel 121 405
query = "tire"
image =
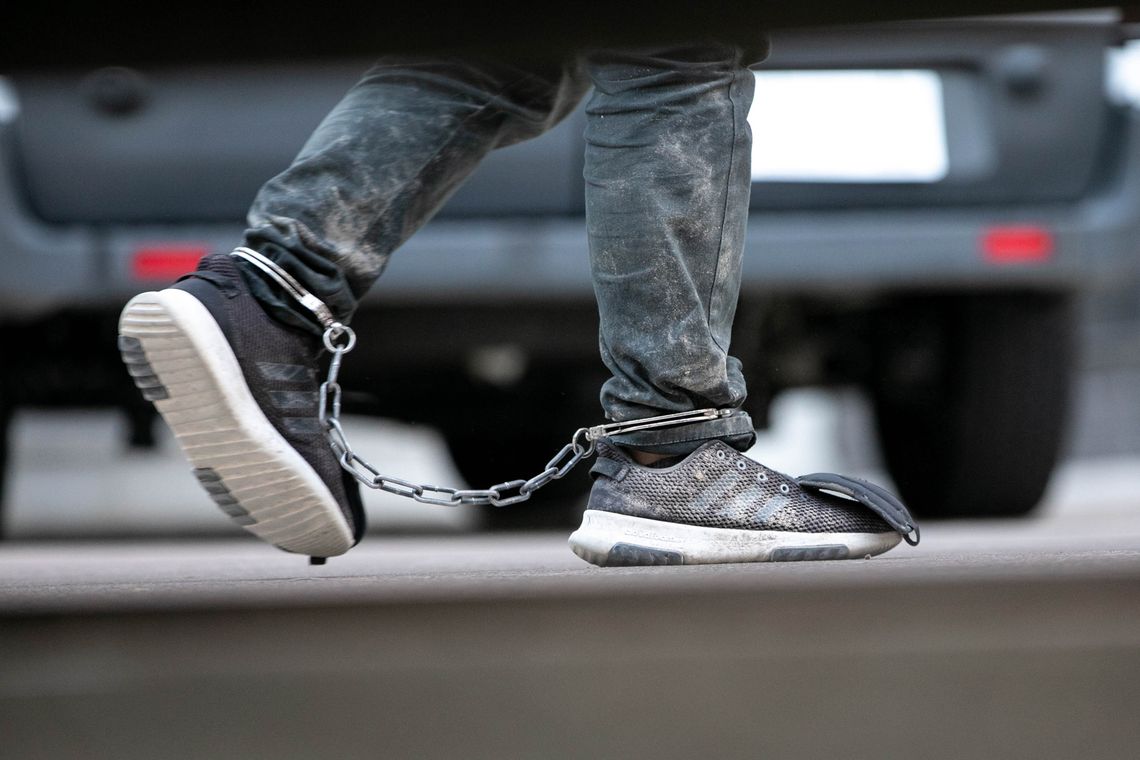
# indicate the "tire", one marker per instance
pixel 971 397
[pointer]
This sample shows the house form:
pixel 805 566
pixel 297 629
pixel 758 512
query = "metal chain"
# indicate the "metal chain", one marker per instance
pixel 339 339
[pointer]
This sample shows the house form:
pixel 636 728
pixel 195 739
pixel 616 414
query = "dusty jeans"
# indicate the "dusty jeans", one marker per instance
pixel 667 182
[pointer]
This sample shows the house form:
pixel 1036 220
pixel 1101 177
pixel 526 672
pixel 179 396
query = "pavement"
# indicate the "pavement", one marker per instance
pixel 1008 638
pixel 1005 639
pixel 990 639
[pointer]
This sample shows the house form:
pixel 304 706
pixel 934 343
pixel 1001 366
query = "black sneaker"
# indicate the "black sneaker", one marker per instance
pixel 717 505
pixel 240 392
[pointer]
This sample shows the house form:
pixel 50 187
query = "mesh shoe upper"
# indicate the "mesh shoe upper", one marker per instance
pixel 281 369
pixel 718 487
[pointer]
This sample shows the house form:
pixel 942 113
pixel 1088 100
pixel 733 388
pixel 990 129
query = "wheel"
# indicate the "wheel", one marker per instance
pixel 971 396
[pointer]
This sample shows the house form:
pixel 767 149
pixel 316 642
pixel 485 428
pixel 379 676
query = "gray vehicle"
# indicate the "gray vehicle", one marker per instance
pixel 930 198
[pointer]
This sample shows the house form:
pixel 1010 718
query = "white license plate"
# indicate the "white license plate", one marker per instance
pixel 848 126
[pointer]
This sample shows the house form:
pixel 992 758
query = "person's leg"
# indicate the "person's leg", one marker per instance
pixel 385 159
pixel 667 182
pixel 231 360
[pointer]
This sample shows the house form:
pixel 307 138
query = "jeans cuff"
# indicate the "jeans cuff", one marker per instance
pixel 736 430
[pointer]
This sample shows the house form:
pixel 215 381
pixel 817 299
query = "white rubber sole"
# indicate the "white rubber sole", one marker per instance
pixel 185 364
pixel 609 539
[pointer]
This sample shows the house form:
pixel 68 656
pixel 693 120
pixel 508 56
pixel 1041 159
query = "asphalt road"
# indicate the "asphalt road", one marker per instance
pixel 983 643
pixel 1001 639
pixel 1087 530
pixel 991 639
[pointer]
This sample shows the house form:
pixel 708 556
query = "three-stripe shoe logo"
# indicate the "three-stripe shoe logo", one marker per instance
pixel 741 499
pixel 297 406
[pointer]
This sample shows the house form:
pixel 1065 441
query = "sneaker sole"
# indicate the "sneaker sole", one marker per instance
pixel 608 539
pixel 181 361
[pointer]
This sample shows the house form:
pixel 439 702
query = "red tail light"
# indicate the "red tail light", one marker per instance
pixel 166 262
pixel 1017 244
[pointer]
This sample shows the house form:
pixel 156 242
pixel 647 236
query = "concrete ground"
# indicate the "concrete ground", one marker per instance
pixel 991 639
pixel 988 640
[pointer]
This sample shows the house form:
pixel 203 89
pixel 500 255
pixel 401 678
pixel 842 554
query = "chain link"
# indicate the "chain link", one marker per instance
pixel 339 339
